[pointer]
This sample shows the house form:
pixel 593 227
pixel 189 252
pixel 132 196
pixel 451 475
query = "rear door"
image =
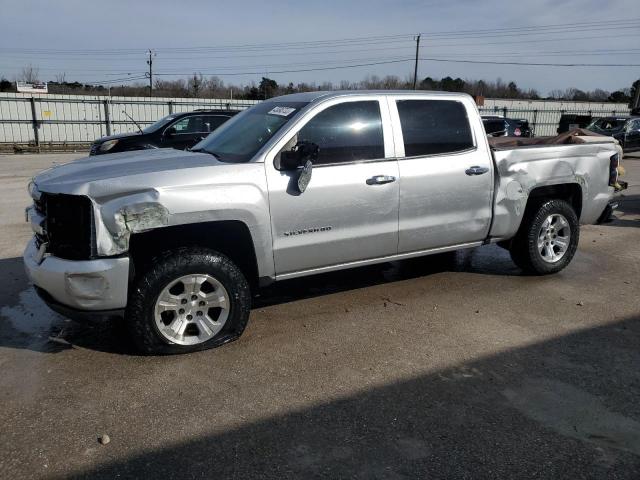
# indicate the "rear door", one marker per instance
pixel 349 211
pixel 446 173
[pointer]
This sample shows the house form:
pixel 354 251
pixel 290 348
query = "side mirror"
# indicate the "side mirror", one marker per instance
pixel 170 132
pixel 303 154
pixel 299 155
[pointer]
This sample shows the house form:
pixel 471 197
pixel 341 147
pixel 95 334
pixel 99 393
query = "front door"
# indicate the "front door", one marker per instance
pixel 349 211
pixel 447 175
pixel 185 132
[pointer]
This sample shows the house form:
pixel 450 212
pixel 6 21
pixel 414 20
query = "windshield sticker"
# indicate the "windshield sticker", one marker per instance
pixel 282 111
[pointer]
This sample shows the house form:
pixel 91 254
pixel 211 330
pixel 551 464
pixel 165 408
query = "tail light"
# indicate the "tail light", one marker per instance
pixel 517 132
pixel 614 163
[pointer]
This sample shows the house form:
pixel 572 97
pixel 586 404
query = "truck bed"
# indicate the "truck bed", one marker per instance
pixel 574 137
pixel 525 164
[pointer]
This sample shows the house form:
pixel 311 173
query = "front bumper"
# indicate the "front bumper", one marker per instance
pixel 89 285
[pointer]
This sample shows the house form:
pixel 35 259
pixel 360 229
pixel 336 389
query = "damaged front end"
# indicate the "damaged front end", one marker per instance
pixel 127 215
pixel 62 259
pixel 77 227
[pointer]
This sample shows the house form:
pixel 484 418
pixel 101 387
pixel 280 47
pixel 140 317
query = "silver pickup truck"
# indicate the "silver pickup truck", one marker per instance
pixel 174 241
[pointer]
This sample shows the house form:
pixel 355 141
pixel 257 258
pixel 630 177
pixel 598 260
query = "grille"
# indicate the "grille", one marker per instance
pixel 68 227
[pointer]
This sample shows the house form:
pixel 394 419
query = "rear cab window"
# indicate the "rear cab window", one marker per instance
pixel 434 127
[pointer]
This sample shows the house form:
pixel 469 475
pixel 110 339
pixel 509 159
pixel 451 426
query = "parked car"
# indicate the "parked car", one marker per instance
pixel 571 121
pixel 625 129
pixel 174 241
pixel 497 126
pixel 178 130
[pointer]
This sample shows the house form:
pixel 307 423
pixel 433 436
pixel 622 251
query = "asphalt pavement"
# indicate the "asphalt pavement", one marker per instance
pixel 455 366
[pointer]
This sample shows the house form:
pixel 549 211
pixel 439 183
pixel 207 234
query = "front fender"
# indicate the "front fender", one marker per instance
pixel 192 204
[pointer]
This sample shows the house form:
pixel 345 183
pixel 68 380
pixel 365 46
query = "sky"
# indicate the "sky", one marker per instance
pixel 242 41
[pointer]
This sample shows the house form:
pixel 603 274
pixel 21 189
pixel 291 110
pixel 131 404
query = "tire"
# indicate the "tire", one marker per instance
pixel 541 248
pixel 205 302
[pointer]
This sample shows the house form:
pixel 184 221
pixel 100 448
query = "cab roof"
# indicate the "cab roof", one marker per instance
pixel 310 97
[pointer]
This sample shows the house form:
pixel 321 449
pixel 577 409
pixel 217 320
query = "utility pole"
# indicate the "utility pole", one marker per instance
pixel 415 70
pixel 635 101
pixel 150 74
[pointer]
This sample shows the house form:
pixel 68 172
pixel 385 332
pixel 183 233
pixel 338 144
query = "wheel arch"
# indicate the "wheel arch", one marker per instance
pixel 229 237
pixel 569 192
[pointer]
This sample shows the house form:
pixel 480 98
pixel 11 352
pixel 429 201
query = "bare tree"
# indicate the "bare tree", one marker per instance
pixel 30 74
pixel 195 84
pixel 61 77
pixel 215 87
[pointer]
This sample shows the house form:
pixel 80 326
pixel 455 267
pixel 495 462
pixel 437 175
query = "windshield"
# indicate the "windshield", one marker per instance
pixel 607 124
pixel 159 124
pixel 239 139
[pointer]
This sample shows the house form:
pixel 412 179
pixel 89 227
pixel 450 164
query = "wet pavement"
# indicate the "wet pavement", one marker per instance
pixel 454 366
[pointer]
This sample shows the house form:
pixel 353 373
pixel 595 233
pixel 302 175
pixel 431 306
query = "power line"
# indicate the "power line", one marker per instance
pixel 552 53
pixel 537 64
pixel 297 70
pixel 338 67
pixel 553 25
pixel 617 24
pixel 115 80
pixel 541 40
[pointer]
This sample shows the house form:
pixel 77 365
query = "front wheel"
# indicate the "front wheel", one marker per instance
pixel 547 239
pixel 190 299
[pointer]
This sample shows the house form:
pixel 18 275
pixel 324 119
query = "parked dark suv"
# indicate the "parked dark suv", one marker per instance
pixel 571 121
pixel 624 129
pixel 178 130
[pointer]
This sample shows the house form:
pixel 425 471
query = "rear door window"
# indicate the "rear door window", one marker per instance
pixel 211 122
pixel 431 127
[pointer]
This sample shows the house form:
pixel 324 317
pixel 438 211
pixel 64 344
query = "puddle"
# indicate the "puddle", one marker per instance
pixel 30 315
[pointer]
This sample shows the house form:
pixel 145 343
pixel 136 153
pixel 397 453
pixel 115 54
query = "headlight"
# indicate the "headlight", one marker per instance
pixel 108 145
pixel 33 190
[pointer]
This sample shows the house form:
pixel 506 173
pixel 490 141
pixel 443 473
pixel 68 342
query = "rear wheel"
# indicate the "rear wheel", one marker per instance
pixel 190 299
pixel 547 239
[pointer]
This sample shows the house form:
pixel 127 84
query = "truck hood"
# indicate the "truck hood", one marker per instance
pixel 84 175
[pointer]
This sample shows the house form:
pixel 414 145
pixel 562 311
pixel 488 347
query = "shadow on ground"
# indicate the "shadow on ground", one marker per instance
pixel 548 410
pixel 26 322
pixel 629 205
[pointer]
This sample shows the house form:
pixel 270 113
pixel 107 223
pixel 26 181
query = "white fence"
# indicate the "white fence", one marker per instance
pixel 41 120
pixel 44 120
pixel 544 115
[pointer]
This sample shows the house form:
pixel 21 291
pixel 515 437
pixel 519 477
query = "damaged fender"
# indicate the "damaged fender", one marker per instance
pixel 131 214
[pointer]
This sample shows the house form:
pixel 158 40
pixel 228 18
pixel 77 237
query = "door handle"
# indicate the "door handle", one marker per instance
pixel 475 170
pixel 380 180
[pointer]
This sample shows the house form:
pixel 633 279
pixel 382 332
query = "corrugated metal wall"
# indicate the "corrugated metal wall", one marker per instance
pixel 77 119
